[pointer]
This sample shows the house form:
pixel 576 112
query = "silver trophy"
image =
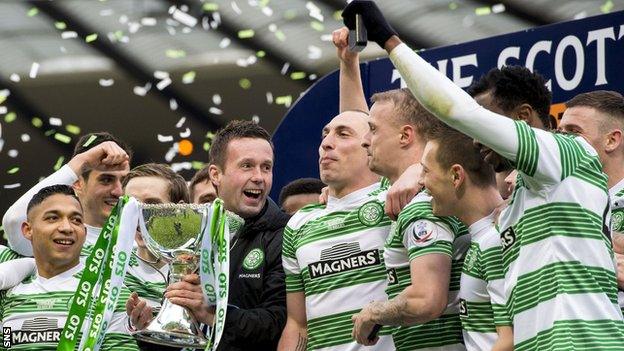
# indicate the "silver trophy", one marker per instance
pixel 173 232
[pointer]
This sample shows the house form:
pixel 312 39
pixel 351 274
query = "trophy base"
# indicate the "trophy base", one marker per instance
pixel 170 339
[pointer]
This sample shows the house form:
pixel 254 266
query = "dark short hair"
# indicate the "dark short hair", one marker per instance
pixel 178 191
pixel 234 130
pixel 409 110
pixel 608 102
pixel 301 186
pixel 512 86
pixel 48 191
pixel 199 177
pixel 90 140
pixel 457 148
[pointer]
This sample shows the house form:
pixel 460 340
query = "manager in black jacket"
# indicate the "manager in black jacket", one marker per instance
pixel 241 169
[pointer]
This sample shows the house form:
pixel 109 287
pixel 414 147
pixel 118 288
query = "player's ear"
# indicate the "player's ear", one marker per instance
pixel 458 175
pixel 27 230
pixel 613 140
pixel 525 113
pixel 215 173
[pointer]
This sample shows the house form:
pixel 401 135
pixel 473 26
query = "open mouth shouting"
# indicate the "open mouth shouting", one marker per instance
pixel 253 195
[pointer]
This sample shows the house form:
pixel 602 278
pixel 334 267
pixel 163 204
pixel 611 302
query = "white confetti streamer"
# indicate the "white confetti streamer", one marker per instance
pixel 216 99
pixel 55 121
pixel 106 82
pixel 285 68
pixel 255 119
pixel 12 186
pixel 215 110
pixel 25 138
pixel 165 138
pixel 267 11
pixel 181 122
pixel 148 21
pixel 34 69
pixel 186 133
pixel 142 91
pixel 269 97
pixel 315 12
pixel 161 74
pixel 498 8
pixel 224 43
pixel 178 166
pixel 314 52
pixel 15 78
pixel 163 83
pixel 184 18
pixel 1 144
pixel 12 153
pixel 69 34
pixel 3 110
pixel 171 152
pixel 236 8
pixel 173 104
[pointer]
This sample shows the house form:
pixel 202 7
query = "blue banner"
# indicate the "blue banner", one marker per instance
pixel 575 57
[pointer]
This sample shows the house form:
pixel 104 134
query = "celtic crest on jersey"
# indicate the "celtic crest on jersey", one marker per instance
pixel 253 259
pixel 370 213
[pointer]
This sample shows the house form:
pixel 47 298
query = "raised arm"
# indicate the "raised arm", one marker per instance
pixel 351 90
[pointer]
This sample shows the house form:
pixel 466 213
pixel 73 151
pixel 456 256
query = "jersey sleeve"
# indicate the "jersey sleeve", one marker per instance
pixel 492 268
pixel 16 214
pixel 294 279
pixel 423 237
pixel 7 254
pixel 15 271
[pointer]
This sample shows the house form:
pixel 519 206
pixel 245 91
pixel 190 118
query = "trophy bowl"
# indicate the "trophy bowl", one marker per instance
pixel 173 232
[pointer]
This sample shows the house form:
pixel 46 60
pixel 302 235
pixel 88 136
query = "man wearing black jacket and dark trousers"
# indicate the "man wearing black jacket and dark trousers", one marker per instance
pixel 241 169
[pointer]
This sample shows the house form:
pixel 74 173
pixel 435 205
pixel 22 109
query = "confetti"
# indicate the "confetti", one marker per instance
pixel 54 121
pixel 163 83
pixel 142 91
pixel 284 100
pixel 13 186
pixel 453 6
pixel 206 146
pixel 255 119
pixel 317 26
pixel 290 14
pixel 59 163
pixel 498 8
pixel 210 6
pixel 267 11
pixel 70 34
pixel 184 18
pixel 246 33
pixel 280 35
pixel 297 75
pixel 161 74
pixel 244 83
pixel 337 15
pixel 133 27
pixel 606 7
pixel 73 129
pixel 10 117
pixel 62 138
pixel 315 12
pixel 285 68
pixel 25 138
pixel 216 111
pixel 177 167
pixel 224 43
pixel 314 52
pixel 34 69
pixel 60 25
pixel 1 144
pixel 33 12
pixel 236 8
pixel 272 27
pixel 261 54
pixel 12 153
pixel 216 99
pixel 15 78
pixel 89 141
pixel 165 138
pixel 181 122
pixel 312 76
pixel 189 77
pixel 172 53
pixel 91 37
pixel 482 11
pixel 269 97
pixel 173 104
pixel 197 164
pixel 171 152
pixel 106 82
pixel 186 133
pixel 326 37
pixel 49 132
pixel 148 21
pixel 3 110
pixel 13 170
pixel 185 147
pixel 37 122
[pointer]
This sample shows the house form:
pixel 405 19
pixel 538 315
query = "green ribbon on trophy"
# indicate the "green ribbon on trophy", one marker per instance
pixel 214 268
pixel 91 300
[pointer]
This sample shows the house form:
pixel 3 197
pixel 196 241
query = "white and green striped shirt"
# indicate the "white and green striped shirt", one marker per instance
pixel 334 254
pixel 7 254
pixel 36 310
pixel 417 232
pixel 616 194
pixel 482 287
pixel 558 261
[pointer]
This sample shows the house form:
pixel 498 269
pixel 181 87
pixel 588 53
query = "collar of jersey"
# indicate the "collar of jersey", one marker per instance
pixel 67 274
pixel 352 198
pixel 617 187
pixel 481 226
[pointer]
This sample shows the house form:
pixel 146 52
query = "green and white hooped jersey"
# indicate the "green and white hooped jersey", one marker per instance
pixel 36 310
pixel 482 287
pixel 6 254
pixel 616 194
pixel 334 254
pixel 417 232
pixel 146 281
pixel 559 271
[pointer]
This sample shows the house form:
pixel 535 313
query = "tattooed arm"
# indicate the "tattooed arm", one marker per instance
pixel 295 334
pixel 423 301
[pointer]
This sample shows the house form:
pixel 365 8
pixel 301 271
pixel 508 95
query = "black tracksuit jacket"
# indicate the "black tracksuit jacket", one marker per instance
pixel 257 289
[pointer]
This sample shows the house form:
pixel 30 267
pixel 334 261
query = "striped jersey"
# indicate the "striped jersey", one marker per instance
pixel 418 232
pixel 482 288
pixel 36 310
pixel 559 270
pixel 334 254
pixel 7 254
pixel 616 194
pixel 147 281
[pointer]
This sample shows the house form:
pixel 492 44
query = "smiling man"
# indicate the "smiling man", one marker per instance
pixel 34 312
